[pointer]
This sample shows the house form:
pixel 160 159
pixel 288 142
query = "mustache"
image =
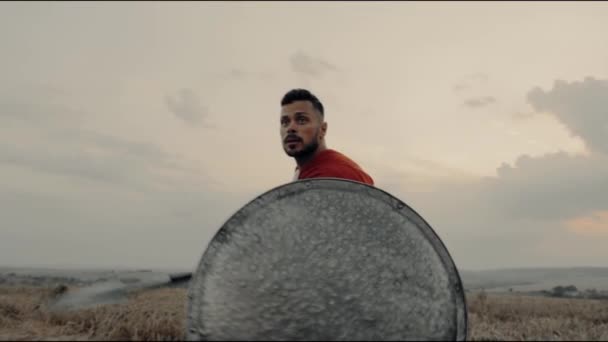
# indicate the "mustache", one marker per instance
pixel 292 137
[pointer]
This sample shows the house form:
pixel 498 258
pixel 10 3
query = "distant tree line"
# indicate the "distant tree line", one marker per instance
pixel 571 291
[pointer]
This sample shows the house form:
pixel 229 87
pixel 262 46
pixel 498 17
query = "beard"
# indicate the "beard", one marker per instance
pixel 307 150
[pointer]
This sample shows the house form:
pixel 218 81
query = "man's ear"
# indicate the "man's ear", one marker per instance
pixel 323 129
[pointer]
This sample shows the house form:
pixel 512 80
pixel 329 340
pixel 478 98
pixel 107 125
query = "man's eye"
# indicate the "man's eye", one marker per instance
pixel 301 120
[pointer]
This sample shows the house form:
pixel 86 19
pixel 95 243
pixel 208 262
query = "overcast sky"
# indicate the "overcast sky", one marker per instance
pixel 129 132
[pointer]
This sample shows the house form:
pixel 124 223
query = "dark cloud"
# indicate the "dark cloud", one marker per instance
pixel 187 106
pixel 465 216
pixel 480 101
pixel 554 187
pixel 581 106
pixel 517 210
pixel 307 65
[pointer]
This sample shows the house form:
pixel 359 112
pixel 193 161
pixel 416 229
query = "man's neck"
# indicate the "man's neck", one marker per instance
pixel 303 160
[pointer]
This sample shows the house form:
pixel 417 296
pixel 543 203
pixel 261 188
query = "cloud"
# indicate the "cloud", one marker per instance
pixel 307 65
pixel 73 194
pixel 553 187
pixel 187 106
pixel 460 87
pixel 480 101
pixel 39 105
pixel 47 136
pixel 558 186
pixel 92 156
pixel 523 115
pixel 470 81
pixel 581 106
pixel 83 225
pixel 242 74
pixel 535 203
pixel 478 77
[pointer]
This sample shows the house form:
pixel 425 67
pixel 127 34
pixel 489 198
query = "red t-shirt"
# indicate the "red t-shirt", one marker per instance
pixel 330 163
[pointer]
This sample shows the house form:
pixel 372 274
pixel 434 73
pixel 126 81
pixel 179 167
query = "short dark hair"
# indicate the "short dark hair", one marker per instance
pixel 302 95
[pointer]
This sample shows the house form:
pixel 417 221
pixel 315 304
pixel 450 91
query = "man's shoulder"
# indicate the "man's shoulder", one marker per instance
pixel 333 155
pixel 337 164
pixel 342 159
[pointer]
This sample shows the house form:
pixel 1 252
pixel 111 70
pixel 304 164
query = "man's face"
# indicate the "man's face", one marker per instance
pixel 301 128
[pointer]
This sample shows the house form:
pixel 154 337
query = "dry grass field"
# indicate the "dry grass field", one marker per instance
pixel 159 315
pixel 156 315
pixel 531 318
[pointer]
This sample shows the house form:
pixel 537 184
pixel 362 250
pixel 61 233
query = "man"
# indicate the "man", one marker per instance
pixel 303 130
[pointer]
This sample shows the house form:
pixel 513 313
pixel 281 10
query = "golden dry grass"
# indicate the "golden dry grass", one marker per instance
pixel 159 315
pixel 529 318
pixel 156 315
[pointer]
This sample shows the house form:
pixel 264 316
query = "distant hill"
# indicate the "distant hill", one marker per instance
pixel 10 276
pixel 535 279
pixel 500 280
